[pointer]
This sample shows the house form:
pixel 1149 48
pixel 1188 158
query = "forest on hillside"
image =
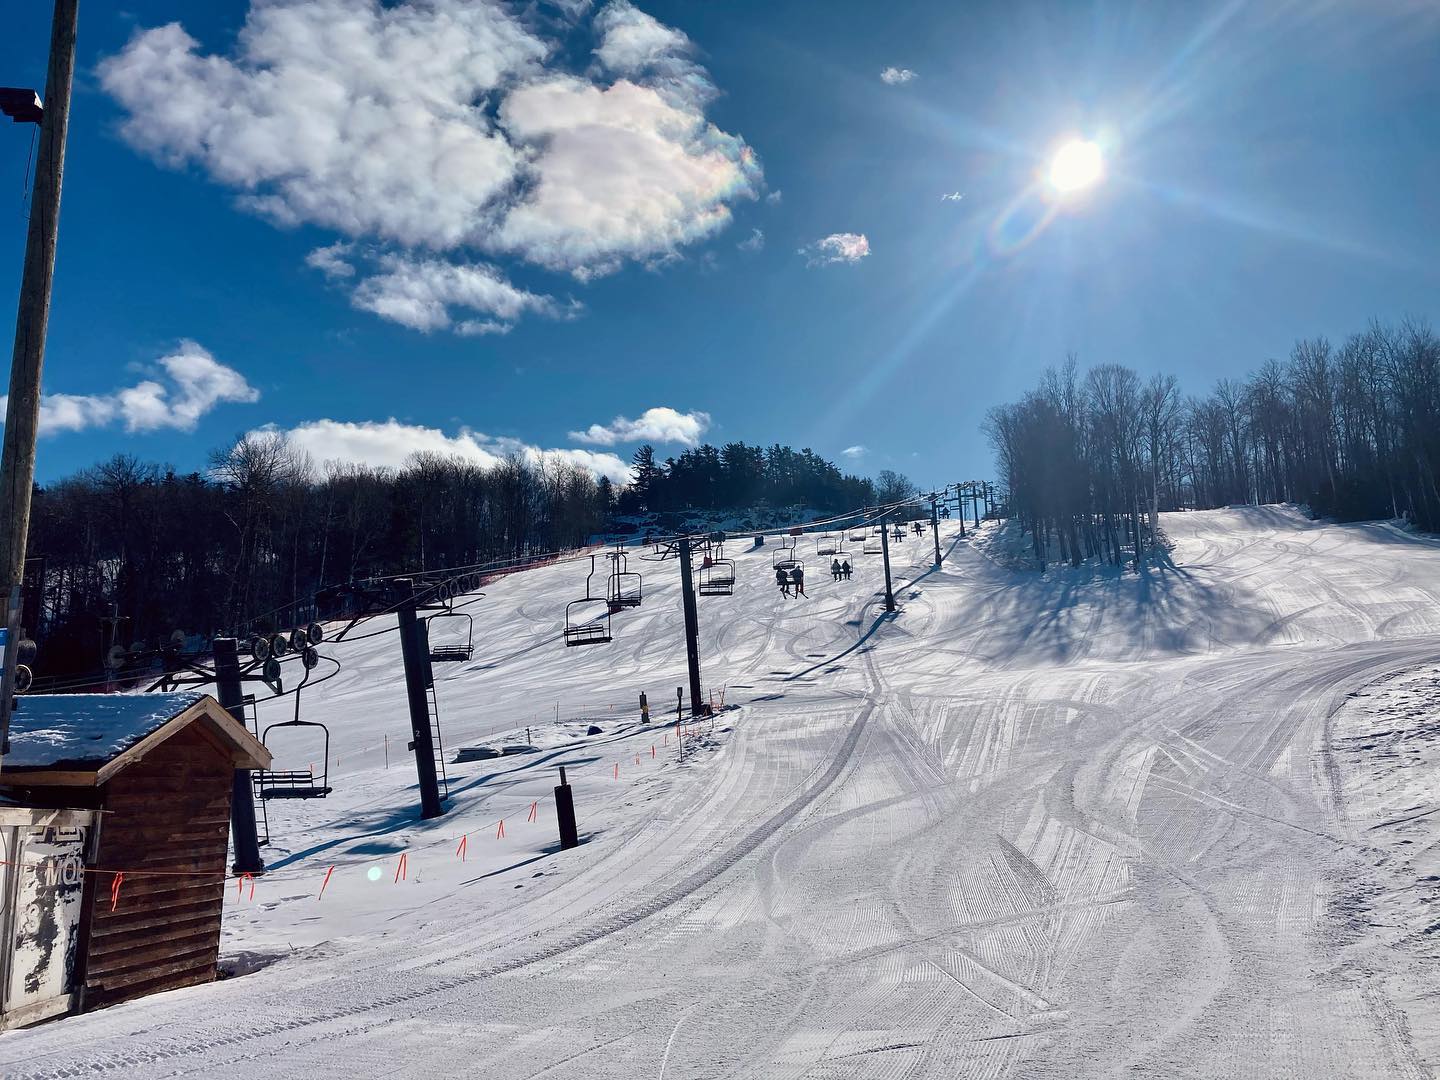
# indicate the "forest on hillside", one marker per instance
pixel 1352 431
pixel 132 551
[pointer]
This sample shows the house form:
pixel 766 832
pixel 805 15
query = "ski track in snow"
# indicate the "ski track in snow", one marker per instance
pixel 1077 824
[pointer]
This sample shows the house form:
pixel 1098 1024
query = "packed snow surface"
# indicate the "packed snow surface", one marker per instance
pixel 69 730
pixel 1077 824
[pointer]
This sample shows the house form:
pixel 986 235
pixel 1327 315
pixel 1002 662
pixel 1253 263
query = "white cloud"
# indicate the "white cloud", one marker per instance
pixel 189 383
pixel 854 452
pixel 446 126
pixel 632 43
pixel 330 260
pixel 837 248
pixel 952 196
pixel 754 242
pixel 419 293
pixel 893 76
pixel 775 197
pixel 390 443
pixel 626 171
pixel 661 424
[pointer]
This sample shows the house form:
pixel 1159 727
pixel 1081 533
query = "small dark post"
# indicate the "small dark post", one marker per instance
pixel 885 551
pixel 242 796
pixel 412 647
pixel 644 708
pixel 565 812
pixel 975 498
pixel 935 525
pixel 692 627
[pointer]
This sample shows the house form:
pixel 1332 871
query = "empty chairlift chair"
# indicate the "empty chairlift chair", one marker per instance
pixel 874 543
pixel 296 783
pixel 826 544
pixel 587 620
pixel 461 627
pixel 717 578
pixel 624 589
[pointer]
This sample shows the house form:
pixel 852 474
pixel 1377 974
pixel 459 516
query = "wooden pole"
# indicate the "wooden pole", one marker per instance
pixel 22 410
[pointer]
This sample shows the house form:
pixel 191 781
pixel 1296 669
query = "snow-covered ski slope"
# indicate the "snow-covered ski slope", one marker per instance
pixel 1077 825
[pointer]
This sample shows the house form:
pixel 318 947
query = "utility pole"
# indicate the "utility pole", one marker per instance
pixel 960 506
pixel 242 796
pixel 412 649
pixel 22 412
pixel 935 525
pixel 692 627
pixel 885 551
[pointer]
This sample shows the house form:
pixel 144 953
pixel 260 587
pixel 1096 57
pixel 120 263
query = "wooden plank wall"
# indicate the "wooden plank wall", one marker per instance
pixel 169 812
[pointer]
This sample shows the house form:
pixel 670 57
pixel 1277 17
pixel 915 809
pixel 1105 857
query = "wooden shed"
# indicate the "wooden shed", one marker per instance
pixel 160 769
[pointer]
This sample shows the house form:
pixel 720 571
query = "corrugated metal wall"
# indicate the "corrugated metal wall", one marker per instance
pixel 170 812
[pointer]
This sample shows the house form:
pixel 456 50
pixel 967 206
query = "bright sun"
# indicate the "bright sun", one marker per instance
pixel 1076 165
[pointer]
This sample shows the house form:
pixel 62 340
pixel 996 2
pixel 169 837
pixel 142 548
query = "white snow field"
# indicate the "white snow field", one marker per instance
pixel 1073 825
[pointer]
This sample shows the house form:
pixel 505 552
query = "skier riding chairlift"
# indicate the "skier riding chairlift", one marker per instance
pixel 797 578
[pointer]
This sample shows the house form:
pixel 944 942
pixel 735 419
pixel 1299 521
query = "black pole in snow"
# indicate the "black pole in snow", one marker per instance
pixel 243 833
pixel 565 812
pixel 885 551
pixel 935 526
pixel 692 627
pixel 412 649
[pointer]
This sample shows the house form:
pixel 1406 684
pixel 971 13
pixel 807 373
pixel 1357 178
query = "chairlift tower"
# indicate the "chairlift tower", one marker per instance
pixel 885 552
pixel 416 655
pixel 692 626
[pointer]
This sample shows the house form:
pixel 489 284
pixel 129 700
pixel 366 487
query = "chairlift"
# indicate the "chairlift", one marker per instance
pixel 782 556
pixel 717 579
pixel 825 545
pixel 296 783
pixel 898 533
pixel 624 588
pixel 453 652
pixel 874 545
pixel 580 630
pixel 857 535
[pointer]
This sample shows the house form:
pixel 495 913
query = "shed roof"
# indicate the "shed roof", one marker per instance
pixel 84 739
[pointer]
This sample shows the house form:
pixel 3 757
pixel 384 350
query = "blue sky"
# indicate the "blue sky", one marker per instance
pixel 562 230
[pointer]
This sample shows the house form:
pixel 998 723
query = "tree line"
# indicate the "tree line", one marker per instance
pixel 740 476
pixel 133 551
pixel 1352 431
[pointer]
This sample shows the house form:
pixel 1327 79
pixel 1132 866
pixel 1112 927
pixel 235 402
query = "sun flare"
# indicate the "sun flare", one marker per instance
pixel 1077 165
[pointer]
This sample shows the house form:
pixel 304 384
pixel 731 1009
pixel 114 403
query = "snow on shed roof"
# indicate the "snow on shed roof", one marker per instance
pixel 78 730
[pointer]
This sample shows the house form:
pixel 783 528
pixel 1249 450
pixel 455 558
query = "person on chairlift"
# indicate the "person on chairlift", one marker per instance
pixel 797 578
pixel 845 570
pixel 835 569
pixel 783 580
